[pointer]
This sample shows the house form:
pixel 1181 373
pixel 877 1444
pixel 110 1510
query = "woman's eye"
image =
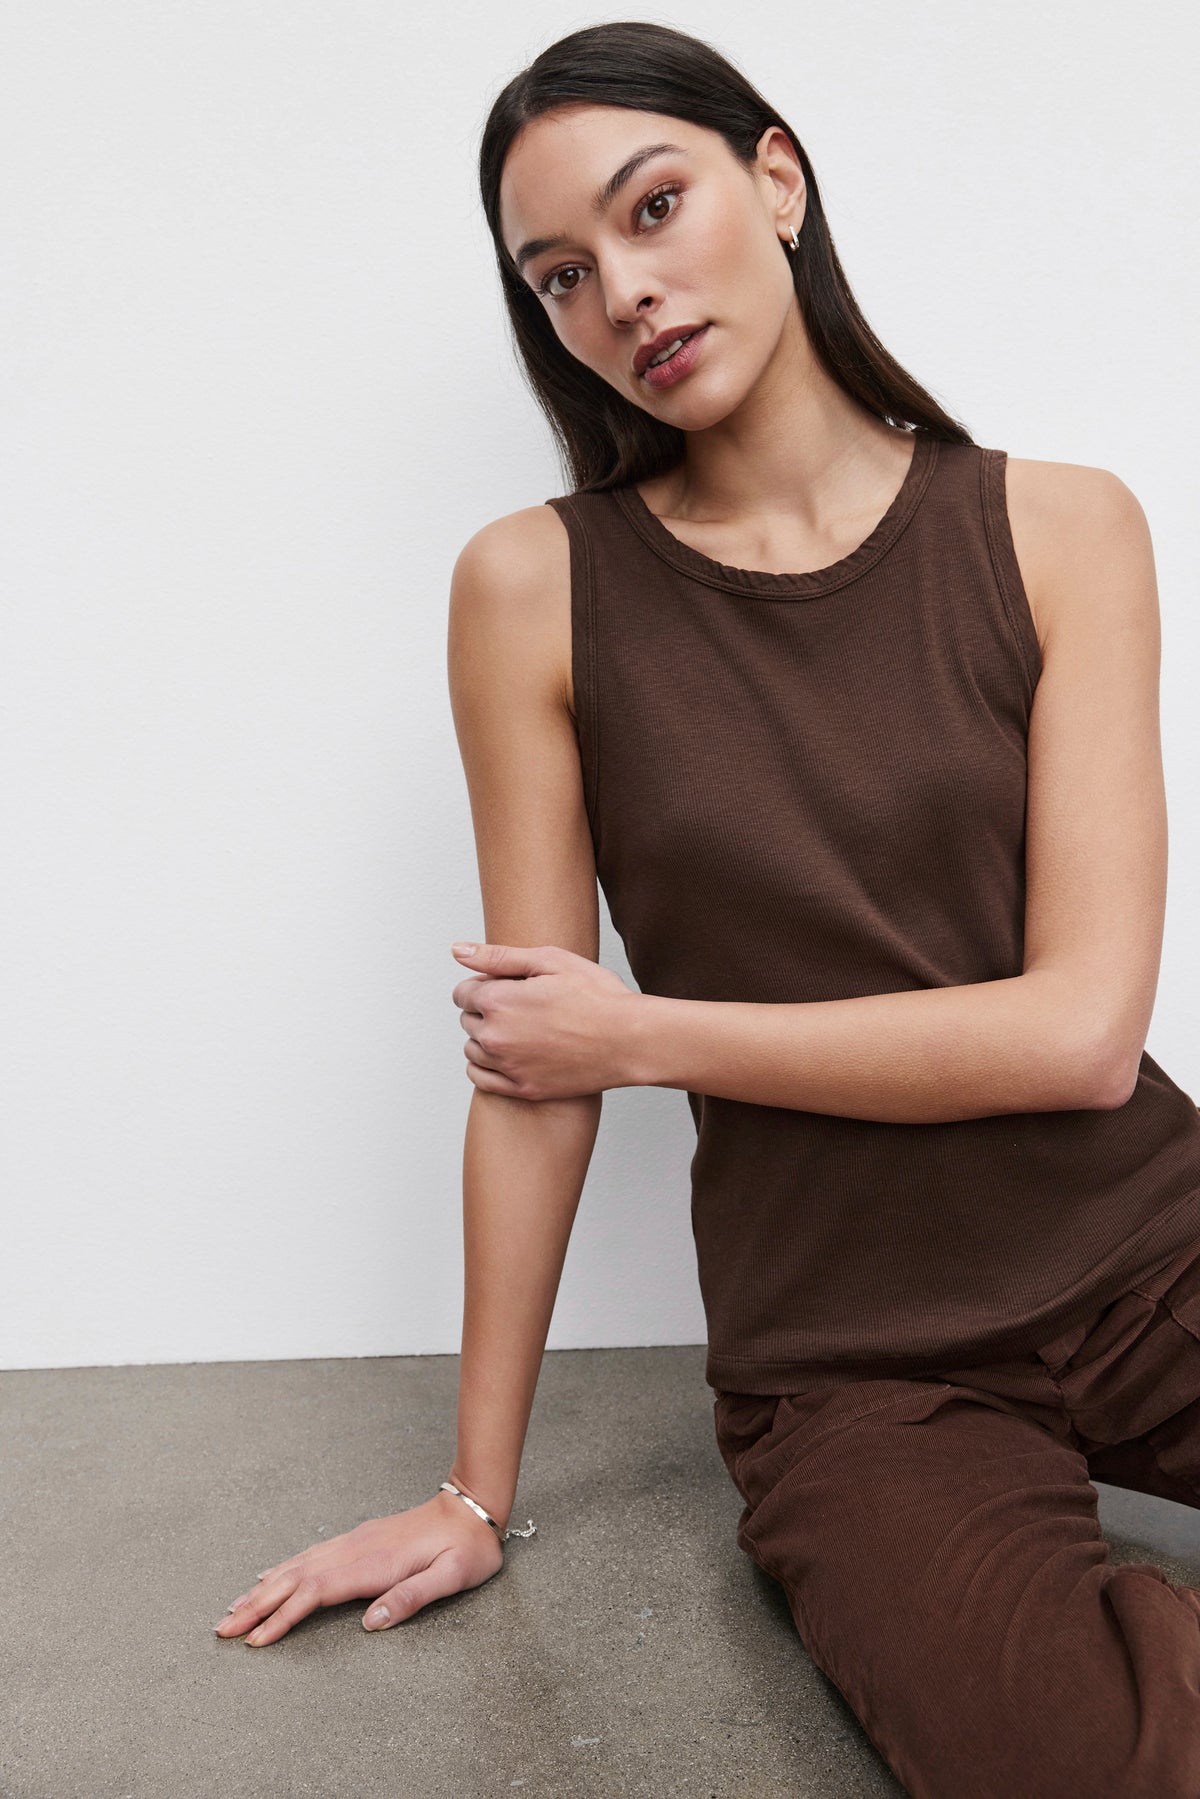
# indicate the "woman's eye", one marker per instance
pixel 668 191
pixel 544 286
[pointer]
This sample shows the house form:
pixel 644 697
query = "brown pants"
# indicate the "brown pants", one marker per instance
pixel 938 1544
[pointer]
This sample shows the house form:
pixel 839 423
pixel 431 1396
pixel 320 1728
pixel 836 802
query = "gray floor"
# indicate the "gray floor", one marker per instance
pixel 630 1648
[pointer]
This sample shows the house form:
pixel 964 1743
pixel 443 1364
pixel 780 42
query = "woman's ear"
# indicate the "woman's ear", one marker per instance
pixel 780 164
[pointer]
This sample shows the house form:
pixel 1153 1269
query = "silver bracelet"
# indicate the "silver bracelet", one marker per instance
pixel 449 1487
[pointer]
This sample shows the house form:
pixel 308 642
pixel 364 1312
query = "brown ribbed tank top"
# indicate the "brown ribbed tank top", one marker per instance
pixel 811 787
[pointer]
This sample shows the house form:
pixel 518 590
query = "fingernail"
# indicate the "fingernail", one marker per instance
pixel 380 1615
pixel 464 949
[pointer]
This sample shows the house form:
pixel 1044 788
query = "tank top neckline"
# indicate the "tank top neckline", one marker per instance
pixel 805 585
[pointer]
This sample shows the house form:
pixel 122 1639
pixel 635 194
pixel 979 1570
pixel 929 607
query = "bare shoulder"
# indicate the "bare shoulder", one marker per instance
pixel 1071 522
pixel 510 595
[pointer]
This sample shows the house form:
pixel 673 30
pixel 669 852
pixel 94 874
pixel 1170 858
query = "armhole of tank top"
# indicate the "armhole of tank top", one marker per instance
pixel 993 466
pixel 583 652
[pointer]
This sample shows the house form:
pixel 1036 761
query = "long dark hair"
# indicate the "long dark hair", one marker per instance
pixel 604 439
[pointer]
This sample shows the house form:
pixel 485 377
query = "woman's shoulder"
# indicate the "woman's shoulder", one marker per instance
pixel 525 543
pixel 1058 493
pixel 1060 513
pixel 511 589
pixel 518 562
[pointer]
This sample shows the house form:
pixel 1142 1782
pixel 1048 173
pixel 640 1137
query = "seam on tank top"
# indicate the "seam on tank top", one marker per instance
pixel 587 714
pixel 993 498
pixel 712 578
pixel 589 611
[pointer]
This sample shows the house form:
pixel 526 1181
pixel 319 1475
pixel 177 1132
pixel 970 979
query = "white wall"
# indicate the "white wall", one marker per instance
pixel 257 392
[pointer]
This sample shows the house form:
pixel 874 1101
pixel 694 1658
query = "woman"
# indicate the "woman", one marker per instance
pixel 857 723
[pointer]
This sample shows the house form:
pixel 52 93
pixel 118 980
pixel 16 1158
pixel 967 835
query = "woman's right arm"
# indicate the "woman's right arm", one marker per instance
pixel 524 1162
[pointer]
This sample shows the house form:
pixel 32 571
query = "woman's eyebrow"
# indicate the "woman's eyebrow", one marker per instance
pixel 603 197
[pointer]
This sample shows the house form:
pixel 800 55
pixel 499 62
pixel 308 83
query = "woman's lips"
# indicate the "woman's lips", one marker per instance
pixel 666 374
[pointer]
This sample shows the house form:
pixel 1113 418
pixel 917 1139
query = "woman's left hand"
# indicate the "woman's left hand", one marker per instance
pixel 545 1023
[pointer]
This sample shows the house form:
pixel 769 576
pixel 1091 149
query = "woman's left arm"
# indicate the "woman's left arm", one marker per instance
pixel 1069 1030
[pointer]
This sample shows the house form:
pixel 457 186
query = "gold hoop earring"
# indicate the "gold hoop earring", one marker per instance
pixel 795 243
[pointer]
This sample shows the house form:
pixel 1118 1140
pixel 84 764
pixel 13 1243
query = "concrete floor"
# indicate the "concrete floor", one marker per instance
pixel 630 1648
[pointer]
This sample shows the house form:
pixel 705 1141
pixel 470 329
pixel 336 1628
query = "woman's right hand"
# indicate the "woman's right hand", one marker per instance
pixel 401 1562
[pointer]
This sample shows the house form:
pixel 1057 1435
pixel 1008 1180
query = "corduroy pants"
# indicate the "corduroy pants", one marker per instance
pixel 938 1543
